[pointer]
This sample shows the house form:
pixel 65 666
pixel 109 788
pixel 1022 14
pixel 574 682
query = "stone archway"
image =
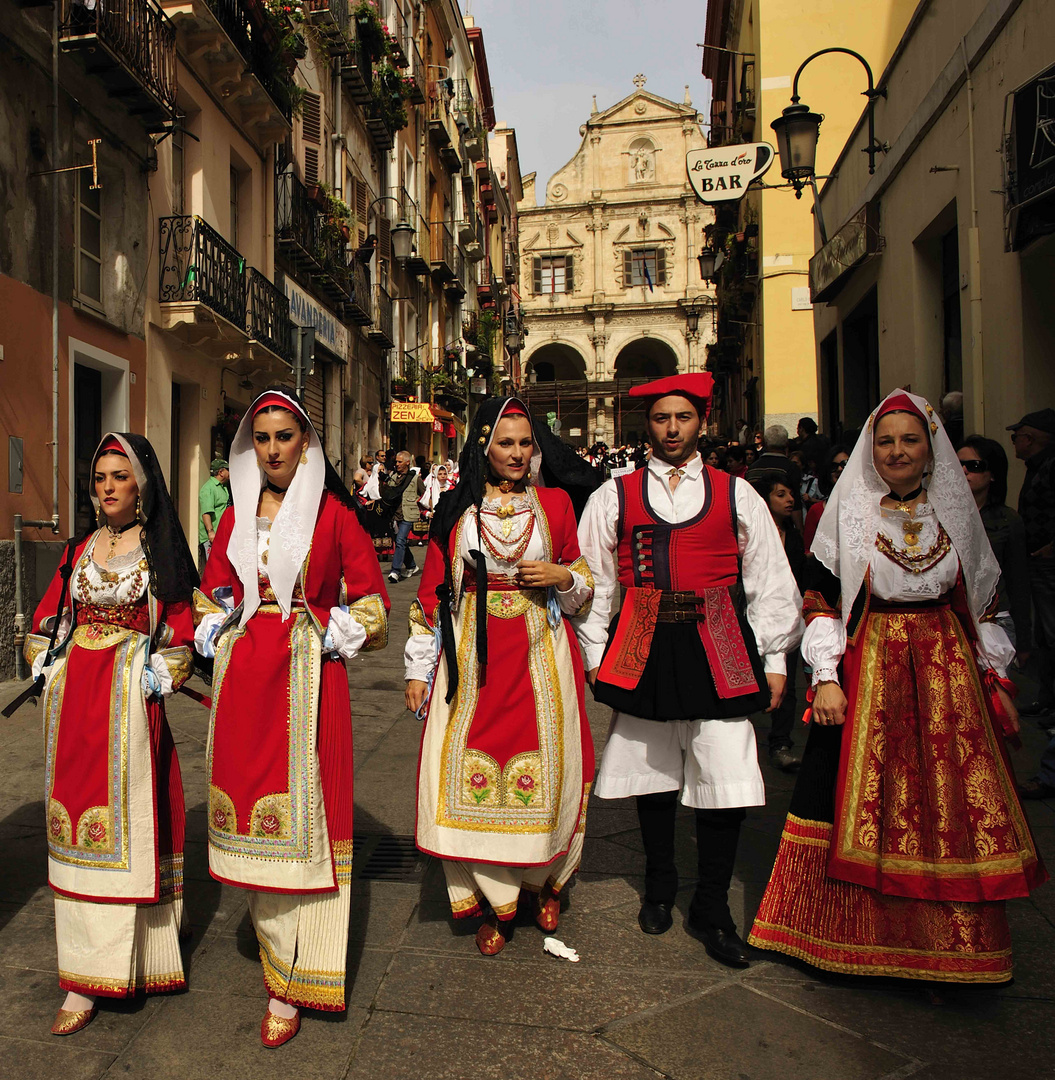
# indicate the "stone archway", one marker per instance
pixel 560 388
pixel 646 358
pixel 557 363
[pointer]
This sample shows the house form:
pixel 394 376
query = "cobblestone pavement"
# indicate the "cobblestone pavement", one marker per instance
pixel 423 1003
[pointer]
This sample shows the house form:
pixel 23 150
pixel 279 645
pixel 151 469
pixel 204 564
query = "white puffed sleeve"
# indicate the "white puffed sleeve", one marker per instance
pixel 598 544
pixel 994 649
pixel 823 645
pixel 157 678
pixel 345 634
pixel 419 656
pixel 576 596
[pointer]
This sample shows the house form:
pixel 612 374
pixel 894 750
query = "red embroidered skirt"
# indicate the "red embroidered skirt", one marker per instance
pixel 905 833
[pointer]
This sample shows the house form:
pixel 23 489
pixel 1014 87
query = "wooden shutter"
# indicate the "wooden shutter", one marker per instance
pixel 314 399
pixel 569 273
pixel 661 266
pixel 384 238
pixel 311 165
pixel 311 118
pixel 536 275
pixel 362 202
pixel 628 268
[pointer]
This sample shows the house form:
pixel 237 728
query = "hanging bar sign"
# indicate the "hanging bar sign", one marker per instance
pixel 722 174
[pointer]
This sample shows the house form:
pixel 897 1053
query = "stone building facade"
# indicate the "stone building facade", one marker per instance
pixel 610 283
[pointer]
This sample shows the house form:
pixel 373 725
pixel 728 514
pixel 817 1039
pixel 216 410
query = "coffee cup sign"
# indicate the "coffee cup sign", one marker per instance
pixel 723 173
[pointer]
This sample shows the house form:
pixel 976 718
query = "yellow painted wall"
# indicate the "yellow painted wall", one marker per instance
pixel 782 34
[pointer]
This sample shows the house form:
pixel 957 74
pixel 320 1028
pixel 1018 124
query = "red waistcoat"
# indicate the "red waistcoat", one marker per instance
pixel 701 553
pixel 701 556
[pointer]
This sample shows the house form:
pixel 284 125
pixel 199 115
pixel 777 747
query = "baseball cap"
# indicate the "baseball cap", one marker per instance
pixel 1042 420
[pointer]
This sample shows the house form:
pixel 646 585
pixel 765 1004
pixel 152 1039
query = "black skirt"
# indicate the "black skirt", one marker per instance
pixel 677 683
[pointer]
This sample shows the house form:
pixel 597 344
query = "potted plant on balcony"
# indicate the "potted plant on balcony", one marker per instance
pixel 403 388
pixel 371 31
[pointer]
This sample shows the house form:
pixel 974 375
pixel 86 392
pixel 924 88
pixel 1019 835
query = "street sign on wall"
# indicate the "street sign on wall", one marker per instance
pixel 722 174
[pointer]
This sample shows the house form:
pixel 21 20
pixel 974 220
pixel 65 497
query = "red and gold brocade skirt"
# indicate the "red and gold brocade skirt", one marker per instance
pixel 905 833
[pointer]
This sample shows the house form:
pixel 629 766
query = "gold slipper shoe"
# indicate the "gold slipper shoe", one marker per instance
pixel 67 1021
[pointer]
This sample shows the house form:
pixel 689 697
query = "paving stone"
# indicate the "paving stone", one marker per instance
pixel 399 1046
pixel 202 1036
pixel 737 1032
pixel 524 983
pixel 24 1059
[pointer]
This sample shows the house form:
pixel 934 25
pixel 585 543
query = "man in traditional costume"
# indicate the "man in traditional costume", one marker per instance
pixel 292 591
pixel 506 755
pixel 112 645
pixel 709 611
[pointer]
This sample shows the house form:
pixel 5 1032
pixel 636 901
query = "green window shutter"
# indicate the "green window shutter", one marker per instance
pixel 569 273
pixel 628 268
pixel 661 266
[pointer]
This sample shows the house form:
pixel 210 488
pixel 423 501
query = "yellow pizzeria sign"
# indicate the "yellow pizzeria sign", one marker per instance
pixel 411 412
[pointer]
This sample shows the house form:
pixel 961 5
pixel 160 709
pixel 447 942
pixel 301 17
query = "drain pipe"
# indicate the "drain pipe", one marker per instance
pixel 974 255
pixel 53 524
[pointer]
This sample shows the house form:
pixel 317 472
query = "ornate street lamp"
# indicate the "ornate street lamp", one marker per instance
pixel 402 233
pixel 710 262
pixel 692 314
pixel 797 129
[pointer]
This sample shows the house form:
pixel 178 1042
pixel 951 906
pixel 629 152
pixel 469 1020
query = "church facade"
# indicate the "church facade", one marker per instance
pixel 611 289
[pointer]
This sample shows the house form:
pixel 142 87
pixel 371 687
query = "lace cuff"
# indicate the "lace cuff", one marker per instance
pixel 345 634
pixel 419 657
pixel 825 675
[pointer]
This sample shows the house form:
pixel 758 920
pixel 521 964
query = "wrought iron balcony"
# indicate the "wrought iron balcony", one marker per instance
pixel 296 223
pixel 131 46
pixel 439 120
pixel 238 57
pixel 331 21
pixel 417 75
pixel 381 331
pixel 357 74
pixel 358 308
pixel 402 41
pixel 419 262
pixel 267 315
pixel 377 126
pixel 199 266
pixel 333 277
pixel 455 286
pixel 511 262
pixel 442 250
pixel 200 269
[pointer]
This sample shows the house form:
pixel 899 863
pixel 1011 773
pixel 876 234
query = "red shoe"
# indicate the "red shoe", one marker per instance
pixel 276 1030
pixel 489 940
pixel 67 1021
pixel 547 914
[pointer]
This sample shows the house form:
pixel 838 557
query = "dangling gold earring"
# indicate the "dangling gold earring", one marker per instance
pixel 139 507
pixel 100 517
pixel 304 457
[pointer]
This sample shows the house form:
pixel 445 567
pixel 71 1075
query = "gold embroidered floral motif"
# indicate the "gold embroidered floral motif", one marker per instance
pixel 272 817
pixel 95 828
pixel 370 612
pixel 222 818
pixel 60 829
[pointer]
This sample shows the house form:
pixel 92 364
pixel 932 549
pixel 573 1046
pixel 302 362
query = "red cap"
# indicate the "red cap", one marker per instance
pixel 698 385
pixel 266 401
pixel 899 403
pixel 111 446
pixel 514 408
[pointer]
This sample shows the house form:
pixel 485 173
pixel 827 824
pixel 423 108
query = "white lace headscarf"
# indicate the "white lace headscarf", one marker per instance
pixel 292 529
pixel 846 535
pixel 535 465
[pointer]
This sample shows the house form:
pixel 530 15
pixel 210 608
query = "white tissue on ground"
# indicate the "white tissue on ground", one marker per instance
pixel 556 947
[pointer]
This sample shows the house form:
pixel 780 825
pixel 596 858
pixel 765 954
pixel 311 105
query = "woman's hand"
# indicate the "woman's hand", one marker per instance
pixel 1009 708
pixel 829 704
pixel 415 694
pixel 532 574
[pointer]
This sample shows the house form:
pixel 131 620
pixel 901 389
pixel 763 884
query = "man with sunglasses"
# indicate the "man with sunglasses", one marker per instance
pixel 1033 439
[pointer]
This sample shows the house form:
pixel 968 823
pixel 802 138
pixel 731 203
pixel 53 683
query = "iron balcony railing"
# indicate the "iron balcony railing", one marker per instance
pixel 136 32
pixel 329 13
pixel 401 37
pixel 357 307
pixel 267 315
pixel 199 266
pixel 442 248
pixel 417 93
pixel 511 260
pixel 464 105
pixel 382 316
pixel 296 220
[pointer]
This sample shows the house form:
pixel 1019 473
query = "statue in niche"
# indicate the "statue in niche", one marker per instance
pixel 642 161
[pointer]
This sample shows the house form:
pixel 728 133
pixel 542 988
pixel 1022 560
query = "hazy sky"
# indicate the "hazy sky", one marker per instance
pixel 547 60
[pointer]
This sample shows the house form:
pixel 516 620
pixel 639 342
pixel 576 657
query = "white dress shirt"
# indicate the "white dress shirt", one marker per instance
pixel 774 605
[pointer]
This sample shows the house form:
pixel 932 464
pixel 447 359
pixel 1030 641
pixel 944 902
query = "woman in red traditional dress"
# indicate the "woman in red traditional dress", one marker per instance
pixel 292 591
pixel 506 754
pixel 112 784
pixel 905 834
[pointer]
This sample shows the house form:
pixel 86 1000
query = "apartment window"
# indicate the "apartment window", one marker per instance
pixel 89 228
pixel 644 266
pixel 234 207
pixel 553 274
pixel 177 170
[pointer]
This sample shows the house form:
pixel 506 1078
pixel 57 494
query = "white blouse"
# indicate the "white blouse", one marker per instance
pixel 824 642
pixel 345 635
pixel 420 653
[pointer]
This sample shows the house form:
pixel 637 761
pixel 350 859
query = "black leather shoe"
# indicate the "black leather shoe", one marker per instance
pixel 726 946
pixel 1034 708
pixel 655 918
